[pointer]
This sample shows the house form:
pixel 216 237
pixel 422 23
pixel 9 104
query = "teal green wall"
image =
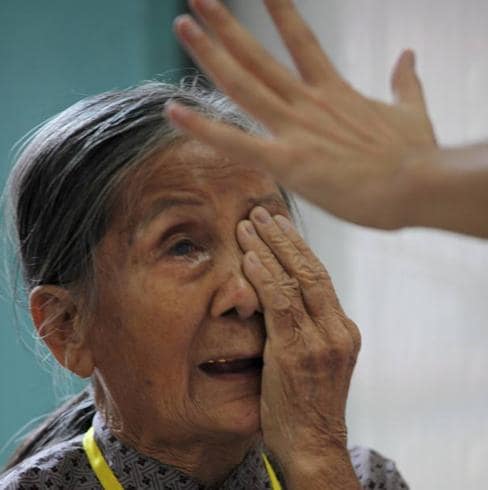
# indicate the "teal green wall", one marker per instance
pixel 52 53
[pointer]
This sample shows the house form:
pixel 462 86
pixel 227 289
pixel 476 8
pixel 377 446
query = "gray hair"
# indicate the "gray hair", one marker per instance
pixel 62 188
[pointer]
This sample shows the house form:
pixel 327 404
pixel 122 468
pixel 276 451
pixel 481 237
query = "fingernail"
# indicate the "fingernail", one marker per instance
pixel 282 222
pixel 188 26
pixel 261 215
pixel 248 226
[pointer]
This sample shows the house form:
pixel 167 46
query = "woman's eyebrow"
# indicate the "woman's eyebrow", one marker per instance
pixel 164 204
pixel 160 206
pixel 273 200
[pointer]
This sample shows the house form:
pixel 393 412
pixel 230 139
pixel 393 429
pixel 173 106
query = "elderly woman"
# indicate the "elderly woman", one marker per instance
pixel 173 278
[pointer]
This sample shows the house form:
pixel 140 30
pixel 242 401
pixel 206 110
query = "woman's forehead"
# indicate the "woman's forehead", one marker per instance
pixel 196 168
pixel 193 172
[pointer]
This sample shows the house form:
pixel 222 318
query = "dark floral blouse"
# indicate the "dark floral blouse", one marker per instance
pixel 65 466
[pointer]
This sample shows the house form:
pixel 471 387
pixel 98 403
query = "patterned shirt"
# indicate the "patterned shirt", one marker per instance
pixel 65 466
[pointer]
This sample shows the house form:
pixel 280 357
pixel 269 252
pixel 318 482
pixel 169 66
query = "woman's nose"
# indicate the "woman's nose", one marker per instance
pixel 235 295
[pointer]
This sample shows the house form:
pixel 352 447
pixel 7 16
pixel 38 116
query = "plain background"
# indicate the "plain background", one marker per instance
pixel 420 298
pixel 53 53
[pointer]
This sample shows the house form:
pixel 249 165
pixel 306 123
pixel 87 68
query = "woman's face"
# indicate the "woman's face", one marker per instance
pixel 173 300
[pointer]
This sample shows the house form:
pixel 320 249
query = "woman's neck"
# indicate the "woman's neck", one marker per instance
pixel 207 459
pixel 208 463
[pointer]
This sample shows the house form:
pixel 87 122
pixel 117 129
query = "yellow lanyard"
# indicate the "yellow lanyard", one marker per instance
pixel 109 481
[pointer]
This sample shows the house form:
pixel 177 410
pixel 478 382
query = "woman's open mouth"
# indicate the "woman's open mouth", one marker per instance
pixel 217 367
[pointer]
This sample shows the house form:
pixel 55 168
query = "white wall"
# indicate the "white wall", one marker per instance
pixel 420 297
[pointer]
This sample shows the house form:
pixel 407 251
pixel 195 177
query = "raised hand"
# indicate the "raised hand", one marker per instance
pixel 310 353
pixel 351 155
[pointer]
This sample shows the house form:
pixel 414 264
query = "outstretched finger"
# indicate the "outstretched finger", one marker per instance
pixel 310 59
pixel 245 48
pixel 231 140
pixel 251 94
pixel 405 84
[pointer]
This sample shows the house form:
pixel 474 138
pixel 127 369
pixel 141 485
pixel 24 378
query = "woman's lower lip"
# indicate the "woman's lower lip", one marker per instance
pixel 247 374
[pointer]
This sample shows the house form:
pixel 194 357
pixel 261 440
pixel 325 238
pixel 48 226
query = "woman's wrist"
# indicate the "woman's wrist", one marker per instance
pixel 328 468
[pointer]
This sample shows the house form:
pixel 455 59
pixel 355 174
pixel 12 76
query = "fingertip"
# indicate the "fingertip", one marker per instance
pixel 247 227
pixel 404 68
pixel 244 231
pixel 178 114
pixel 186 27
pixel 409 56
pixel 406 85
pixel 406 59
pixel 171 108
pixel 178 21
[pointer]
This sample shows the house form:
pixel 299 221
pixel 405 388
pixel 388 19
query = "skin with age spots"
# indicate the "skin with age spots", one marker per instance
pixel 172 296
pixel 200 264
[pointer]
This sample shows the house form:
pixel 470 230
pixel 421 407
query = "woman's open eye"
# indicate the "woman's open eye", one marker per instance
pixel 182 248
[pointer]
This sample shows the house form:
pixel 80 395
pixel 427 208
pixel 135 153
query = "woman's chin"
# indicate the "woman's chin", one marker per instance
pixel 240 417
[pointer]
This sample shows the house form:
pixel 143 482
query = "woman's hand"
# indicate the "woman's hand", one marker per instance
pixel 310 353
pixel 351 155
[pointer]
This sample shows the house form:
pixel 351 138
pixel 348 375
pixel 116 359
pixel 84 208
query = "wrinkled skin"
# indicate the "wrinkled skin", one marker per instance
pixel 201 263
pixel 164 310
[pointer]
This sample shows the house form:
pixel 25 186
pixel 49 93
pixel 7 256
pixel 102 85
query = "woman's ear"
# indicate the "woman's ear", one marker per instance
pixel 57 319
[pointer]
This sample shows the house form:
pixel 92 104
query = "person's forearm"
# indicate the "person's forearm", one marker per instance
pixel 449 190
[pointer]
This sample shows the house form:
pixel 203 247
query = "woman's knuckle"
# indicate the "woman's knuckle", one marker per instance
pixel 316 351
pixel 339 351
pixel 311 273
pixel 278 241
pixel 353 330
pixel 335 356
pixel 291 286
pixel 281 306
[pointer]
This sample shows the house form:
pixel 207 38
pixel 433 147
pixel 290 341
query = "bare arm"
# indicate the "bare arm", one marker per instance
pixel 365 161
pixel 449 190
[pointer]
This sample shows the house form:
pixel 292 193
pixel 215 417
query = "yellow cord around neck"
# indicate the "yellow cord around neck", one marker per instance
pixel 109 481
